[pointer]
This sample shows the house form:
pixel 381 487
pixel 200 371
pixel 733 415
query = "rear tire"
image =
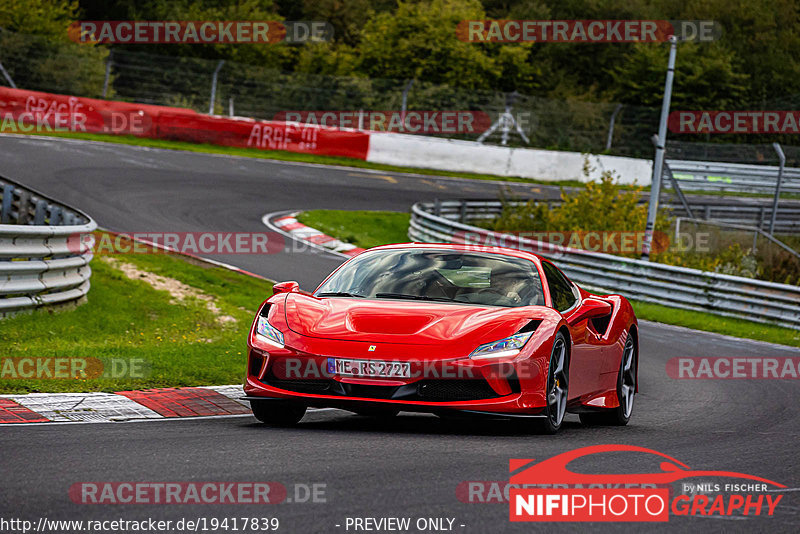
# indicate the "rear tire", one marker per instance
pixel 557 387
pixel 626 389
pixel 277 412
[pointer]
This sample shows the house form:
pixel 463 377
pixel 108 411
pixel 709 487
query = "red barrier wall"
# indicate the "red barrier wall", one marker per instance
pixel 27 111
pixel 264 135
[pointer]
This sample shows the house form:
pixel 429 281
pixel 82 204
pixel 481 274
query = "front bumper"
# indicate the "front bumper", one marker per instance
pixel 504 388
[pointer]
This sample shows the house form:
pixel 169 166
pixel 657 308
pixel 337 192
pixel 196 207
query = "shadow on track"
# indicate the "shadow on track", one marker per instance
pixel 416 424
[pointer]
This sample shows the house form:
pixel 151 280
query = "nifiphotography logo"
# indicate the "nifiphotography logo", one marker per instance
pixel 548 491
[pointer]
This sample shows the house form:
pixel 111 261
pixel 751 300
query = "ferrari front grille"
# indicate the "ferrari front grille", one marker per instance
pixel 426 390
pixel 299 385
pixel 455 390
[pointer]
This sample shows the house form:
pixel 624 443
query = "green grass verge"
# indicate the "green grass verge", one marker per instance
pixel 282 155
pixel 362 228
pixel 372 228
pixel 715 323
pixel 176 343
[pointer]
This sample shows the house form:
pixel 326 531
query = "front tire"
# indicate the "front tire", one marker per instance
pixel 557 387
pixel 626 389
pixel 277 412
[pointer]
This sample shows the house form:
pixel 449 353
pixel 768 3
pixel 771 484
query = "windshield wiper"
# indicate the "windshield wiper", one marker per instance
pixel 339 294
pixel 411 297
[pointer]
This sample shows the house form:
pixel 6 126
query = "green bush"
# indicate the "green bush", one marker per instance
pixel 604 207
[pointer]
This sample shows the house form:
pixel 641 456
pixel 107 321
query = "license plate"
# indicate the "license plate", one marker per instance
pixel 369 368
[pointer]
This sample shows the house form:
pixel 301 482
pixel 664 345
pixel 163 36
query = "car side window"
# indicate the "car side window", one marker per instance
pixel 562 292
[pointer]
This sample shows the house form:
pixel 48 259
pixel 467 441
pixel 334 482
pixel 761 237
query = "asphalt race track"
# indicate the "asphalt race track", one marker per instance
pixel 409 466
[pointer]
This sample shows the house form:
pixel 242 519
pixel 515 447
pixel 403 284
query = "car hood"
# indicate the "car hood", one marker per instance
pixel 398 321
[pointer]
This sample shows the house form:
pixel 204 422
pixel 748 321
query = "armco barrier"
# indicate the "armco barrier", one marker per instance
pixel 734 177
pixel 669 285
pixel 741 211
pixel 45 250
pixel 38 111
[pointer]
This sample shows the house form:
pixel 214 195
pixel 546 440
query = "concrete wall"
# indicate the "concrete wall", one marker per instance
pixel 469 156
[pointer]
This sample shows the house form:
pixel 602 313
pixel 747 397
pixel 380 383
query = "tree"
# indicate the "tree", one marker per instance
pixel 418 41
pixel 47 18
pixel 706 77
pixel 38 54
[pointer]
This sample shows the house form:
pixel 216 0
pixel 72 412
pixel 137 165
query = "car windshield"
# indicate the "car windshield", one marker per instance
pixel 438 275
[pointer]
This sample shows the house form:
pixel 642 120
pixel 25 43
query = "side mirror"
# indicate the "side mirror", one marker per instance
pixel 286 287
pixel 588 309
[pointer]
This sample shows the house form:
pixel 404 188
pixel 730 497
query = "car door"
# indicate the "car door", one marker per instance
pixel 586 358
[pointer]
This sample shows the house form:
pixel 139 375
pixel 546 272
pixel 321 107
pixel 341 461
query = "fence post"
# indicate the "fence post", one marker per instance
pixel 677 187
pixel 7 76
pixel 782 157
pixel 55 216
pixel 109 60
pixel 214 87
pixel 658 163
pixel 8 196
pixel 403 106
pixel 611 126
pixel 41 212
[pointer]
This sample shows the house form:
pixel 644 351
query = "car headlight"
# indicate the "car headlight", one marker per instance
pixel 509 346
pixel 267 332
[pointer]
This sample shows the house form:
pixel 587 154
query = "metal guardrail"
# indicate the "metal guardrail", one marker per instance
pixel 747 212
pixel 45 250
pixel 757 232
pixel 744 214
pixel 678 287
pixel 735 177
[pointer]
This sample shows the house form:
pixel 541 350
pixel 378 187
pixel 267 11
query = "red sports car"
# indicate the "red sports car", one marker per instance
pixel 446 329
